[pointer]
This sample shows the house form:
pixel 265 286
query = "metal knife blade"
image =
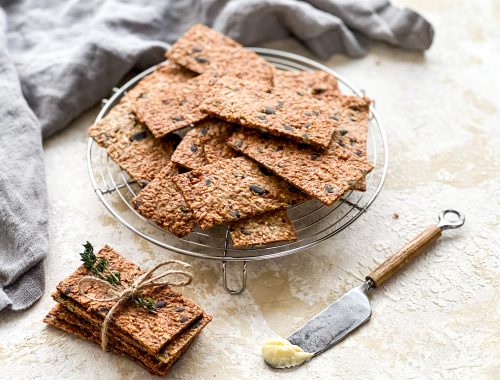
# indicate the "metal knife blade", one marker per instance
pixel 336 321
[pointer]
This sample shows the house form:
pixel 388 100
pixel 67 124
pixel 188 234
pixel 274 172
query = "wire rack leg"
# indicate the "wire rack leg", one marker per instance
pixel 224 271
pixel 243 279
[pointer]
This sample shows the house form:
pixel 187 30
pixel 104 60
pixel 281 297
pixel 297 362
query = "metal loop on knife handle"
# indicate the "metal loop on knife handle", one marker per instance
pixel 445 223
pixel 413 248
pixel 224 272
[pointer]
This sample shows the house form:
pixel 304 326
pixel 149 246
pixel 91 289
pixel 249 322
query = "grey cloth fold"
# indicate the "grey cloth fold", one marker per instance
pixel 23 198
pixel 59 58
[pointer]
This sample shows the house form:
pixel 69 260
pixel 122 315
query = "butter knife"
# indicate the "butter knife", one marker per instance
pixel 353 309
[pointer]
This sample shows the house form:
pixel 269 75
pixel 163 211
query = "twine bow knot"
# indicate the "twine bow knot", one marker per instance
pixel 122 293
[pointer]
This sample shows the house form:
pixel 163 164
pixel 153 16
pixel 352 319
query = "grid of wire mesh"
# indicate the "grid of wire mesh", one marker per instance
pixel 314 221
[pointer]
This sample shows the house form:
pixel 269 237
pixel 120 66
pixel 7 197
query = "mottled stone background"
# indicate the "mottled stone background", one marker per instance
pixel 438 319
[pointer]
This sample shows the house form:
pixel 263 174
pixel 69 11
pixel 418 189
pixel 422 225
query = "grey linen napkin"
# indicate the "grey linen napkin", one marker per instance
pixel 59 58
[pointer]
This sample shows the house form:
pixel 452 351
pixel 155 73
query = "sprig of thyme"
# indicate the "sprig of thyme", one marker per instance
pixel 99 268
pixel 147 303
pixel 87 256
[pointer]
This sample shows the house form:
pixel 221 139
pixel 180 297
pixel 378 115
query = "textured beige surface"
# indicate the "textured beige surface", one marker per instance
pixel 438 320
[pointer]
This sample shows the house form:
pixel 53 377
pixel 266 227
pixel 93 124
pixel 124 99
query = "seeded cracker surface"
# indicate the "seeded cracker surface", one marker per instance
pixel 116 346
pixel 65 320
pixel 202 49
pixel 217 150
pixel 301 118
pixel 172 109
pixel 76 315
pixel 267 228
pixel 233 189
pixel 322 175
pixel 130 144
pixel 156 362
pixel 318 84
pixel 148 330
pixel 160 79
pixel 353 131
pixel 163 203
pixel 190 152
pixel 177 105
pixel 162 356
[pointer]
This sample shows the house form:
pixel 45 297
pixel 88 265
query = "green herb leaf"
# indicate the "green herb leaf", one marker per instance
pixel 147 303
pixel 101 265
pixel 87 256
pixel 114 278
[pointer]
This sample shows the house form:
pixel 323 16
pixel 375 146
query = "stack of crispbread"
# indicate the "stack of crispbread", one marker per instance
pixel 154 339
pixel 256 140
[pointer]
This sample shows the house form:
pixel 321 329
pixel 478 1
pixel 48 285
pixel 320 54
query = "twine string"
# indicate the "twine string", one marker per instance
pixel 126 292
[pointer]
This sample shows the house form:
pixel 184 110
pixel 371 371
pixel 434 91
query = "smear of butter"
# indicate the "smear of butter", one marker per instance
pixel 280 353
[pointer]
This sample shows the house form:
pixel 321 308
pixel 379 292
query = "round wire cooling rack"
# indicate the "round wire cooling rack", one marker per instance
pixel 313 221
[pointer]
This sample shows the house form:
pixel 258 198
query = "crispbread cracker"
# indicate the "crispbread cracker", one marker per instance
pixel 202 49
pixel 267 228
pixel 74 314
pixel 352 133
pixel 148 330
pixel 217 149
pixel 321 175
pixel 178 105
pixel 159 80
pixel 82 333
pixel 59 313
pixel 163 203
pixel 231 190
pixel 172 109
pixel 171 349
pixel 301 118
pixel 316 83
pixel 165 100
pixel 190 152
pixel 65 320
pixel 130 144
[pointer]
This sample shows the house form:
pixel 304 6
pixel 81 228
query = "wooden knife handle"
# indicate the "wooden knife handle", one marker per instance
pixel 397 261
